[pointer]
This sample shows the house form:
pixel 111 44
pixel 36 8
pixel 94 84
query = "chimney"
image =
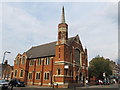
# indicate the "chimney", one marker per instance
pixel 6 62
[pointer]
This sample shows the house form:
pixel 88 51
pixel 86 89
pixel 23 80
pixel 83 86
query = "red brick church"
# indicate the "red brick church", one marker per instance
pixel 62 63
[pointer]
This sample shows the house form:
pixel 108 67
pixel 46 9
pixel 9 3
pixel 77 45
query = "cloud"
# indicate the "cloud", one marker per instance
pixel 26 25
pixel 21 30
pixel 60 1
pixel 99 30
pixel 0 32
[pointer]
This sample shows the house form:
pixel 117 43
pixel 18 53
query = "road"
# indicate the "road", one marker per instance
pixel 95 87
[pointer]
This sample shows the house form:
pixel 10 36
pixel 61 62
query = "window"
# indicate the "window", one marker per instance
pixel 59 52
pixel 59 36
pixel 77 56
pixel 31 62
pixel 39 61
pixel 23 60
pixel 71 57
pixel 46 76
pixel 58 71
pixel 17 60
pixel 21 73
pixel 37 75
pixel 59 49
pixel 15 74
pixel 59 55
pixel 30 76
pixel 70 73
pixel 66 72
pixel 47 61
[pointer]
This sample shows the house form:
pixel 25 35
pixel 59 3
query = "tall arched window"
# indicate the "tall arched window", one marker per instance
pixel 77 56
pixel 17 60
pixel 23 60
pixel 59 36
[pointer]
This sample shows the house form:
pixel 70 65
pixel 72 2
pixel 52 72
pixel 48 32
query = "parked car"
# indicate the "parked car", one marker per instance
pixel 3 84
pixel 16 83
pixel 106 82
pixel 99 82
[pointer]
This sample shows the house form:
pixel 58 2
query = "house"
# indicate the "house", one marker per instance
pixel 6 71
pixel 61 63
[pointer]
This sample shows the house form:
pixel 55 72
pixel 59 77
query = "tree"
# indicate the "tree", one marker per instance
pixel 98 66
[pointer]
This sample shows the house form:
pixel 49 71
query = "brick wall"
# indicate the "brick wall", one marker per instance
pixel 64 56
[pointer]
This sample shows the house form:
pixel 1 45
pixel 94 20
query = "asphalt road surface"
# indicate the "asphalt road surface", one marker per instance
pixel 95 87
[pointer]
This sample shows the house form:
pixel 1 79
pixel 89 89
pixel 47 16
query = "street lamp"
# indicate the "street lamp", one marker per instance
pixel 4 56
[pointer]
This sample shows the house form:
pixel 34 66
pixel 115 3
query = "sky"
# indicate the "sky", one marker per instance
pixel 27 24
pixel 119 32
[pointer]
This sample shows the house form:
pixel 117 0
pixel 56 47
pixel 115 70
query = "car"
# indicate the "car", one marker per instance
pixel 106 82
pixel 99 82
pixel 3 84
pixel 16 83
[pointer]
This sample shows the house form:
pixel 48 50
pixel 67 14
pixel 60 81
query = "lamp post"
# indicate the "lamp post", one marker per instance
pixel 4 56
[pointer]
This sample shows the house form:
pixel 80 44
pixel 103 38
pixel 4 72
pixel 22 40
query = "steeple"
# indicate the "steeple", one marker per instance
pixel 63 16
pixel 62 30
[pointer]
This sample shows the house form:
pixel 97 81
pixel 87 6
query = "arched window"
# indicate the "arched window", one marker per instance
pixel 39 61
pixel 17 60
pixel 59 36
pixel 58 71
pixel 15 73
pixel 77 56
pixel 23 60
pixel 21 73
pixel 31 62
pixel 38 75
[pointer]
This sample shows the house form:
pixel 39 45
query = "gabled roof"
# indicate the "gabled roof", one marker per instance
pixel 45 49
pixel 42 50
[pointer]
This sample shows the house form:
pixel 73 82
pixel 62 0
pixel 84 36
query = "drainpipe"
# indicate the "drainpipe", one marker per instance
pixel 42 72
pixel 51 72
pixel 34 72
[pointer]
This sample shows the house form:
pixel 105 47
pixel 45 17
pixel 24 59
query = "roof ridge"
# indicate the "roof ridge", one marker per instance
pixel 49 42
pixel 46 49
pixel 44 44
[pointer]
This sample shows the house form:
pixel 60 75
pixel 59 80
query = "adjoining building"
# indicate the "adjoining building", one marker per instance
pixel 6 71
pixel 62 63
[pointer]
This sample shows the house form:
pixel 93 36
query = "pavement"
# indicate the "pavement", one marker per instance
pixel 103 86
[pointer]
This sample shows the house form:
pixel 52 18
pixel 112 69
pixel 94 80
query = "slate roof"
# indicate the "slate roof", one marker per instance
pixel 44 50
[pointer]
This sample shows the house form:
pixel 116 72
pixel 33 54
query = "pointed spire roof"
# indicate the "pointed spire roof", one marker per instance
pixel 63 16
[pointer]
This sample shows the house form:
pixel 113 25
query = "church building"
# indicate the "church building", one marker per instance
pixel 61 63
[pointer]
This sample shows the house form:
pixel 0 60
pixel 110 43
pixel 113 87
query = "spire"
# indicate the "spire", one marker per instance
pixel 62 30
pixel 63 15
